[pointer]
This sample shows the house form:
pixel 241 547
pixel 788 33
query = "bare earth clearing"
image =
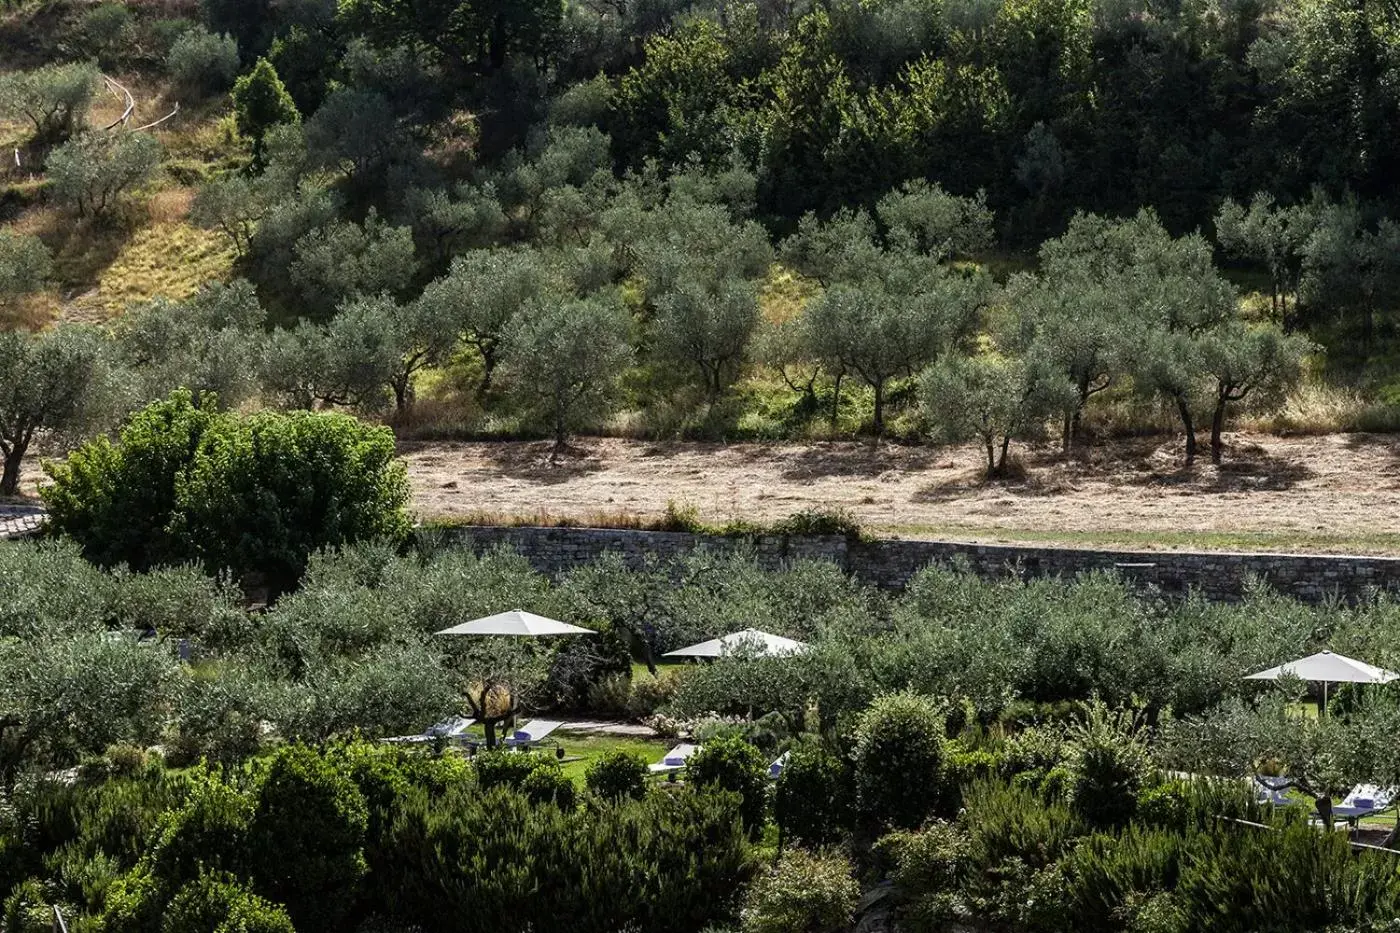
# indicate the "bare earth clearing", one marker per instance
pixel 1333 493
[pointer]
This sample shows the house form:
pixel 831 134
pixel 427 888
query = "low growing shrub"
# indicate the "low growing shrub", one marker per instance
pixel 219 904
pixel 803 893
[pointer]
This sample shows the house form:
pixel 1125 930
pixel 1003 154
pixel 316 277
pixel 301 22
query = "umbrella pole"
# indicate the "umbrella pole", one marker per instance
pixel 1324 698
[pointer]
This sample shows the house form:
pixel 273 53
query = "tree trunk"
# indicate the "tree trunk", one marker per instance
pixel 879 388
pixel 401 393
pixel 1184 411
pixel 1065 435
pixel 1323 804
pixel 1005 446
pixel 836 400
pixel 991 456
pixel 1217 427
pixel 9 479
pixel 488 367
pixel 559 437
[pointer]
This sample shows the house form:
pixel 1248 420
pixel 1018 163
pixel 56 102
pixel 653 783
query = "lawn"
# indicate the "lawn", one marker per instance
pixel 589 746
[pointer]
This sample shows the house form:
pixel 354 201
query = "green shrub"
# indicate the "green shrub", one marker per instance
pixel 492 862
pixel 927 867
pixel 732 764
pixel 812 801
pixel 200 62
pixel 1106 877
pixel 255 494
pixel 617 774
pixel 1009 821
pixel 209 832
pixel 308 828
pixel 819 522
pixel 898 762
pixel 27 909
pixel 803 893
pixel 219 904
pixel 1108 764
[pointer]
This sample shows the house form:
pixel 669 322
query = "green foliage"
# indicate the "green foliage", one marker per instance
pixel 803 893
pixel 1108 764
pixel 732 764
pixel 927 868
pixel 898 761
pixel 219 904
pixel 52 381
pixel 90 173
pixel 54 98
pixel 106 32
pixel 251 494
pixel 812 801
pixel 616 775
pixel 313 817
pixel 565 358
pixel 201 62
pixel 477 861
pixel 261 102
pixel 25 265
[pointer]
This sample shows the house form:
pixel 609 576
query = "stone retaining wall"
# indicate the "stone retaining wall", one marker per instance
pixel 891 563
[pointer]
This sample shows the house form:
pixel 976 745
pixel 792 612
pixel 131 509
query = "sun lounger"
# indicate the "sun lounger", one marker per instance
pixel 1270 791
pixel 1364 800
pixel 674 760
pixel 775 770
pixel 447 730
pixel 532 733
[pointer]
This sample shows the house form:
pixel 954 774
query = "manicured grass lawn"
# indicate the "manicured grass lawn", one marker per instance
pixel 588 746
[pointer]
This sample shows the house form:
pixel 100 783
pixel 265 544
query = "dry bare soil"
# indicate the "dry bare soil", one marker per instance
pixel 1336 493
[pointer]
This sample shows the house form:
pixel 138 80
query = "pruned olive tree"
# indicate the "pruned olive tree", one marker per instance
pixel 91 173
pixel 54 99
pixel 51 381
pixel 25 265
pixel 707 327
pixel 1246 362
pixel 993 399
pixel 566 356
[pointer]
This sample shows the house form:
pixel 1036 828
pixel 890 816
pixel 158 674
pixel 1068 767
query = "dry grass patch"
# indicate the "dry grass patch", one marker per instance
pixel 169 259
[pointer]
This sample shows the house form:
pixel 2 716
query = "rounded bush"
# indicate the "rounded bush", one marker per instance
pixel 803 893
pixel 618 774
pixel 899 761
pixel 219 904
pixel 812 801
pixel 201 62
pixel 732 764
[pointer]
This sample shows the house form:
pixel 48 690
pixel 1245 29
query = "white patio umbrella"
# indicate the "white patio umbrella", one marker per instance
pixel 1328 668
pixel 515 623
pixel 750 639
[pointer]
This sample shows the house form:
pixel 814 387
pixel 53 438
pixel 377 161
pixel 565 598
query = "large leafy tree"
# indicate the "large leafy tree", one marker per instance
pixel 25 264
pixel 253 494
pixel 54 98
pixel 261 102
pixel 91 173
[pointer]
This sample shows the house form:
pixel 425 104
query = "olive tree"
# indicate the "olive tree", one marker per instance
pixel 707 327
pixel 390 341
pixel 344 260
pixel 892 324
pixel 48 382
pixel 566 357
pixel 25 264
pixel 90 173
pixel 201 62
pixel 1244 361
pixel 53 98
pixel 483 292
pixel 210 343
pixel 1273 235
pixel 232 205
pixel 993 399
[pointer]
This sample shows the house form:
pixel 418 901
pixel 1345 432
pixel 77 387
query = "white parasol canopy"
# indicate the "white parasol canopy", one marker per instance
pixel 750 640
pixel 1329 668
pixel 516 622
